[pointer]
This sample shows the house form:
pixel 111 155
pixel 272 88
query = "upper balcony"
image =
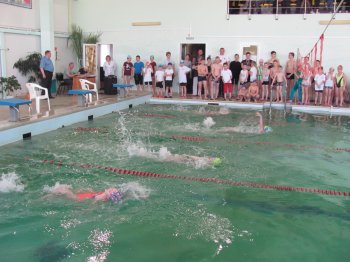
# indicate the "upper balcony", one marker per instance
pixel 238 7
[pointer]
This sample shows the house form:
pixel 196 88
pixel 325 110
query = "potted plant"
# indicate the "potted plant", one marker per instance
pixel 9 85
pixel 30 66
pixel 77 38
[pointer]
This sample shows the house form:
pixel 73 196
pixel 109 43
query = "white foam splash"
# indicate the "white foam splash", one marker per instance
pixel 134 190
pixel 224 111
pixel 208 122
pixel 10 183
pixel 166 156
pixel 57 188
pixel 164 153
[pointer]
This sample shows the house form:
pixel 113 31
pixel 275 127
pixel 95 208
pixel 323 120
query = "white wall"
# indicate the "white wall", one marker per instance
pixel 15 16
pixel 22 44
pixel 209 25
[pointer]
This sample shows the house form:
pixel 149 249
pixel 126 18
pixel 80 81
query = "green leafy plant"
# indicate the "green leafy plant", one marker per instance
pixel 30 66
pixel 9 84
pixel 77 38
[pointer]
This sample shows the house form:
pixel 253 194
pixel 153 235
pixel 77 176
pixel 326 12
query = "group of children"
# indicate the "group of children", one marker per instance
pixel 254 83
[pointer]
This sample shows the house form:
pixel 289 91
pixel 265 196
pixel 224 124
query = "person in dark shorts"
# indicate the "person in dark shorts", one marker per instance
pixel 159 75
pixel 127 71
pixel 138 67
pixel 169 75
pixel 235 67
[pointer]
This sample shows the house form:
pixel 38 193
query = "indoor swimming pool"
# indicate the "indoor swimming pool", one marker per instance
pixel 199 183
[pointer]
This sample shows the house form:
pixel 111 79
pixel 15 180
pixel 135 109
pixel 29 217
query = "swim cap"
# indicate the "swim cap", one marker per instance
pixel 115 197
pixel 217 161
pixel 268 129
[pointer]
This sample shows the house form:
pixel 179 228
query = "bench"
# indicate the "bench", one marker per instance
pixel 14 104
pixel 122 86
pixel 82 96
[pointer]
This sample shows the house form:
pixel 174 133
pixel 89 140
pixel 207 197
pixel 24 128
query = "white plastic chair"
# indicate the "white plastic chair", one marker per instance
pixel 35 93
pixel 86 85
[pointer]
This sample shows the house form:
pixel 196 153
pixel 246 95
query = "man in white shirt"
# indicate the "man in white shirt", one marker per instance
pixel 223 58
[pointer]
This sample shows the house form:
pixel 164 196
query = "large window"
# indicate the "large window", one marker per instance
pixel 286 6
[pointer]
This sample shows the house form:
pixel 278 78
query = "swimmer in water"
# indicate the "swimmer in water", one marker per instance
pixel 214 161
pixel 166 156
pixel 112 194
pixel 261 129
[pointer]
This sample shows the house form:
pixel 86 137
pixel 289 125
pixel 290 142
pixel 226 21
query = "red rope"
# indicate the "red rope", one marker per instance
pixel 321 48
pixel 188 138
pixel 205 179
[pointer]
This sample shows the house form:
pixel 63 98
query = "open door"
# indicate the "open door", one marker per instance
pixel 192 49
pixel 103 50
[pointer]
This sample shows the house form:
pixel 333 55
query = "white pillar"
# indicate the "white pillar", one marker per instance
pixel 47 28
pixel 3 50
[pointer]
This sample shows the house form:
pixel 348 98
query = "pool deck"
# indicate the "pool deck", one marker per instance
pixel 65 111
pixel 323 110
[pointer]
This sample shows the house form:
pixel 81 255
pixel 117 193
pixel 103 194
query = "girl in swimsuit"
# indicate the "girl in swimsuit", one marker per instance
pixel 340 83
pixel 329 86
pixel 112 194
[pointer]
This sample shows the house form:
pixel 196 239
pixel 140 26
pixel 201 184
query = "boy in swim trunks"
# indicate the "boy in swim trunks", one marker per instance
pixel 216 72
pixel 253 92
pixel 202 78
pixel 279 79
pixel 265 81
pixel 291 68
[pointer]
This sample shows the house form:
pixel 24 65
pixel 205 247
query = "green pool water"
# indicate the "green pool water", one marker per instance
pixel 180 220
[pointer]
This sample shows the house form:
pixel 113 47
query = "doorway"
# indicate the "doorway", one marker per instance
pixel 102 51
pixel 192 50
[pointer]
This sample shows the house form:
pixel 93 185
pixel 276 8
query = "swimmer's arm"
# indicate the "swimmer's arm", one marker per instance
pixel 261 123
pixel 273 81
pixel 285 79
pixel 100 197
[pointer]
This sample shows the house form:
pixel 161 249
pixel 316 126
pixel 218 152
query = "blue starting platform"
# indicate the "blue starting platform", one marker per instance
pixel 122 86
pixel 82 96
pixel 13 104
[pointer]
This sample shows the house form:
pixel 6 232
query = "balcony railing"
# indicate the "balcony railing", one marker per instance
pixel 286 6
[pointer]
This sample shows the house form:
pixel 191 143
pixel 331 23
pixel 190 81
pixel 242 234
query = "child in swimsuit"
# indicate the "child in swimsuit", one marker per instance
pixel 112 194
pixel 265 81
pixel 330 80
pixel 279 78
pixel 340 82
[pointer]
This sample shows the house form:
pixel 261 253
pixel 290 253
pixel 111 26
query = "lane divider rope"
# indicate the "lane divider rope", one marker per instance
pixel 201 139
pixel 202 179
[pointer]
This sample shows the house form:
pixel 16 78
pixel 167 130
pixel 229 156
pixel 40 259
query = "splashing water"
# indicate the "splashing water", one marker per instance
pixel 134 190
pixel 166 156
pixel 164 153
pixel 57 188
pixel 208 122
pixel 10 183
pixel 224 111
